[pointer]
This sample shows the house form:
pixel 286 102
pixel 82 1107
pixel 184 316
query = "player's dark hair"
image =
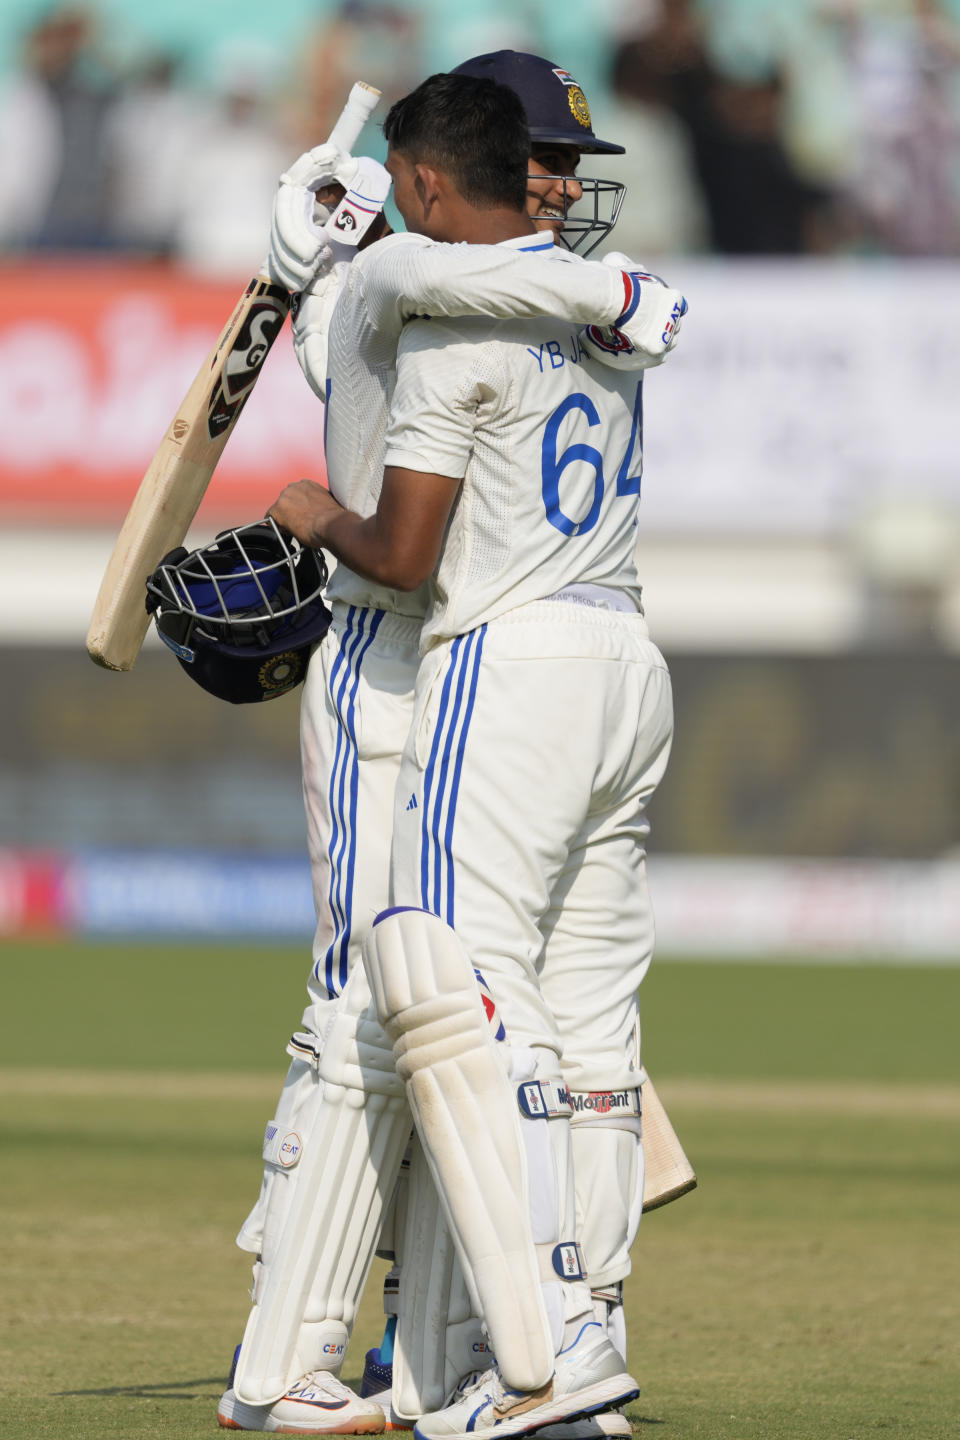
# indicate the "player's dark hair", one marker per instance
pixel 474 130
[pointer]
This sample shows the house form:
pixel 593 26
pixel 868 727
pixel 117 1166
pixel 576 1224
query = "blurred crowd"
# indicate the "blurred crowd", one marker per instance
pixel 751 126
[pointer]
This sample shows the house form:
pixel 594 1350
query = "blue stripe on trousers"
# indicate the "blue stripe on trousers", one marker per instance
pixel 441 782
pixel 344 789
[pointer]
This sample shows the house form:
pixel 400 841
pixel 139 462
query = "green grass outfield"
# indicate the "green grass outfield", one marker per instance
pixel 809 1288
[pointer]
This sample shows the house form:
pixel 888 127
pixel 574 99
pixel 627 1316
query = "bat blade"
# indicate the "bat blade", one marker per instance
pixel 668 1173
pixel 179 473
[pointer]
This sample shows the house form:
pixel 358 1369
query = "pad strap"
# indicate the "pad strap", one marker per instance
pixel 564 1260
pixel 621 1109
pixel 304 1046
pixel 281 1146
pixel 543 1100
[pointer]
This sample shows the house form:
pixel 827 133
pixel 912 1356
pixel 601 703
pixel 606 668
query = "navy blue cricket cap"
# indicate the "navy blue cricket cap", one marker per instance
pixel 557 109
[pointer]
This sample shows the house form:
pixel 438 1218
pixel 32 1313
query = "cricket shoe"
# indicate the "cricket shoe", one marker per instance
pixel 588 1379
pixel 319 1404
pixel 377 1385
pixel 377 1374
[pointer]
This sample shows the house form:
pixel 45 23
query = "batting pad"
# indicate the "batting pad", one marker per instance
pixel 608 1165
pixel 466 1114
pixel 439 1335
pixel 322 1224
pixel 283 1133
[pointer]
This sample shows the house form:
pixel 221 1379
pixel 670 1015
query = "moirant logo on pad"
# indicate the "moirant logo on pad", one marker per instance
pixel 605 1102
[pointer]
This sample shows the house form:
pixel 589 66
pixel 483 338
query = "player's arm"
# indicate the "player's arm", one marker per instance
pixel 408 275
pixel 398 546
pixel 648 329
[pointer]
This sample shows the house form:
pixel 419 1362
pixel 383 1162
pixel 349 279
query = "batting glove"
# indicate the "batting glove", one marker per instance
pixel 310 317
pixel 298 237
pixel 647 330
pixel 360 207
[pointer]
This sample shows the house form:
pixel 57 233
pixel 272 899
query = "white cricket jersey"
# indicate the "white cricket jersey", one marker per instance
pixel 406 275
pixel 548 445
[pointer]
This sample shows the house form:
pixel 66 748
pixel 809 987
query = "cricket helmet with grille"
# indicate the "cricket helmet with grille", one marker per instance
pixel 558 114
pixel 243 613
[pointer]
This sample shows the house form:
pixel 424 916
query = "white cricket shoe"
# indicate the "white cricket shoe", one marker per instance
pixel 610 1425
pixel 589 1378
pixel 319 1404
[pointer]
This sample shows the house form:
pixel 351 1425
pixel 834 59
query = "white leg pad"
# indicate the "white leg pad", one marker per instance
pixel 294 1107
pixel 321 1227
pixel 544 1103
pixel 608 1164
pixel 466 1114
pixel 439 1334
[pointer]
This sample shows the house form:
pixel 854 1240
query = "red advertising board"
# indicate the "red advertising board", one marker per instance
pixel 95 357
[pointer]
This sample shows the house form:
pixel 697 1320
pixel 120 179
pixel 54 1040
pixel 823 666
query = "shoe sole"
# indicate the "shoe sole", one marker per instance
pixel 232 1417
pixel 607 1425
pixel 592 1400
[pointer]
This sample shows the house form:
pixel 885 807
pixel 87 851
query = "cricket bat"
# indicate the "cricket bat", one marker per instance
pixel 180 471
pixel 668 1173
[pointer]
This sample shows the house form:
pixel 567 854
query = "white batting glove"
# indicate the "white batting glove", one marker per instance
pixel 297 236
pixel 312 308
pixel 310 317
pixel 646 332
pixel 361 206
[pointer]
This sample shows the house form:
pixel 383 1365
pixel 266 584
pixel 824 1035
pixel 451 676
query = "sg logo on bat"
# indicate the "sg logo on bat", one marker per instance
pixel 246 355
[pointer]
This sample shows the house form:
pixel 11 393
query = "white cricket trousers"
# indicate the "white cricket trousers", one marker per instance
pixel 354 720
pixel 537 741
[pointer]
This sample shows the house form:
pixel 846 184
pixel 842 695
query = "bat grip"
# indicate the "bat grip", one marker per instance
pixel 361 103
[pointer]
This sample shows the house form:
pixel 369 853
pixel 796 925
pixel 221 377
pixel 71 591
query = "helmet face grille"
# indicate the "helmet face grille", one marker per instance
pixel 242 614
pixel 231 594
pixel 589 220
pixel 247 581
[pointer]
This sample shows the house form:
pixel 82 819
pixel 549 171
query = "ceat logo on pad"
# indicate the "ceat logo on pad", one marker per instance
pixel 333 1349
pixel 290 1147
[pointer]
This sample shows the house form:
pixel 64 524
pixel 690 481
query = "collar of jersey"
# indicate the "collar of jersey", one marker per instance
pixel 539 241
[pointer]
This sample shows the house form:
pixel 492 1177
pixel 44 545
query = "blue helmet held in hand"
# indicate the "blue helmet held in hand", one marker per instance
pixel 242 614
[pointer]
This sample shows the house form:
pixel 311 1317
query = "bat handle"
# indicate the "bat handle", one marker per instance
pixel 361 103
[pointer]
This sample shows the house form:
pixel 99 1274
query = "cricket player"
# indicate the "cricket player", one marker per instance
pixel 512 861
pixel 356 716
